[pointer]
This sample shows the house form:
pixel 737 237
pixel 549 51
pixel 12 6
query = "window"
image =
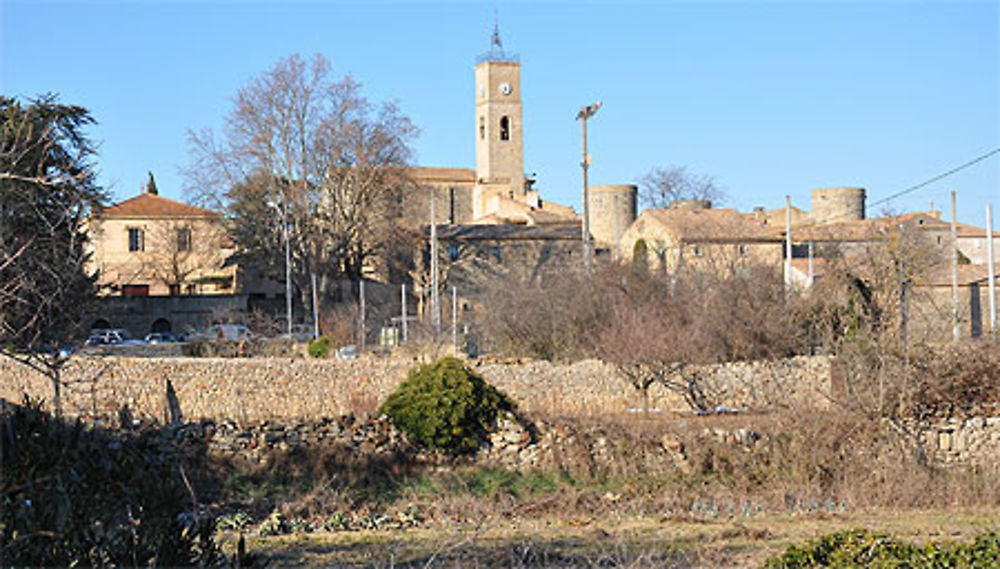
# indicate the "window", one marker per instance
pixel 136 241
pixel 742 248
pixel 135 290
pixel 175 289
pixel 184 239
pixel 482 128
pixel 504 128
pixel 453 252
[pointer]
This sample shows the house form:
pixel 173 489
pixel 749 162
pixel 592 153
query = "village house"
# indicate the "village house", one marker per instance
pixel 691 236
pixel 149 245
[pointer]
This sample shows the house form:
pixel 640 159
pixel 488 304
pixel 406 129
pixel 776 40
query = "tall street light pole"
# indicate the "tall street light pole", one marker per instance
pixel 584 114
pixel 288 266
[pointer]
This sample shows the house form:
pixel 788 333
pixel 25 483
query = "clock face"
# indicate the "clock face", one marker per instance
pixel 505 88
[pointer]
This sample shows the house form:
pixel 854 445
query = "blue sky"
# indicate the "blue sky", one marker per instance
pixel 771 98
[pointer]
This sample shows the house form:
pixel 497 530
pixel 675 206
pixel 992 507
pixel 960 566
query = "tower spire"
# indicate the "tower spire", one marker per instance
pixel 495 41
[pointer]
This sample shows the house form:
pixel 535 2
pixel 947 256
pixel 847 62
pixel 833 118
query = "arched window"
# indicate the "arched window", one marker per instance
pixel 161 325
pixel 640 256
pixel 504 128
pixel 482 128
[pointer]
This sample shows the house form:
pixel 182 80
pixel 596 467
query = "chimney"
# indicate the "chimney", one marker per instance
pixel 151 186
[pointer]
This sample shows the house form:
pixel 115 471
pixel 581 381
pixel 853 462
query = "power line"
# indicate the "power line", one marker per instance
pixel 935 178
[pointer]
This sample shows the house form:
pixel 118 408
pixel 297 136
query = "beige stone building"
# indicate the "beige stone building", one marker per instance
pixel 699 238
pixel 149 245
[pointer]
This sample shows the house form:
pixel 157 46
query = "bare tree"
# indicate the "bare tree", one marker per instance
pixel 47 188
pixel 181 250
pixel 301 146
pixel 662 186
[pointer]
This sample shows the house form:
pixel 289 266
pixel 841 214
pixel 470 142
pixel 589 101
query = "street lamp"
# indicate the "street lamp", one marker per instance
pixel 288 266
pixel 582 116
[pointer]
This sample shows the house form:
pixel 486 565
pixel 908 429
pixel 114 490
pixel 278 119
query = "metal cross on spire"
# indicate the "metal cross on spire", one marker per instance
pixel 495 42
pixel 496 52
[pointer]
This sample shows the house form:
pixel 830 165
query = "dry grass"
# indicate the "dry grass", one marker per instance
pixel 633 542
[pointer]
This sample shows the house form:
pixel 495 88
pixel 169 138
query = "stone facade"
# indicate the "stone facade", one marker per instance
pixel 612 210
pixel 150 245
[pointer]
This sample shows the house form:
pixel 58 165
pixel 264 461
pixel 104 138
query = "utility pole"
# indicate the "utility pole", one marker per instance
pixel 403 310
pixel 901 280
pixel 812 272
pixel 584 114
pixel 435 295
pixel 288 261
pixel 315 303
pixel 990 268
pixel 454 320
pixel 788 245
pixel 361 323
pixel 956 329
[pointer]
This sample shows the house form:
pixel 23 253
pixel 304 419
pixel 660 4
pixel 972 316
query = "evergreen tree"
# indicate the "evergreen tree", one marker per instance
pixel 47 188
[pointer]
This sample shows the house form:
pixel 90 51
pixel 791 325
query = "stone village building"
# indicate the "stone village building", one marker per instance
pixel 151 245
pixel 493 223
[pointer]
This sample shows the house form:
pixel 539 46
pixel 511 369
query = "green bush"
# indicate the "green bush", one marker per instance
pixel 198 349
pixel 320 347
pixel 863 548
pixel 73 494
pixel 446 406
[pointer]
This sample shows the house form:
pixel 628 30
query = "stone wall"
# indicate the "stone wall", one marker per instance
pixel 975 440
pixel 260 389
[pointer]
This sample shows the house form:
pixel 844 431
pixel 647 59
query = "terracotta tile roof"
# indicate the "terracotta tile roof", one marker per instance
pixel 430 174
pixel 150 205
pixel 867 229
pixel 542 217
pixel 508 232
pixel 966 230
pixel 712 225
pixel 940 275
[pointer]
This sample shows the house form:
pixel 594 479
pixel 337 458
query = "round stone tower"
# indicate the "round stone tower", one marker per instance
pixel 612 211
pixel 837 204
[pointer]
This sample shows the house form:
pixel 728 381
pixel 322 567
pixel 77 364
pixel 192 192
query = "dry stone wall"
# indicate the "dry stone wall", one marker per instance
pixel 260 389
pixel 974 440
pixel 282 388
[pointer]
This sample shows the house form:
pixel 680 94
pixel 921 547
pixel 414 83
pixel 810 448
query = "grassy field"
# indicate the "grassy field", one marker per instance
pixel 623 542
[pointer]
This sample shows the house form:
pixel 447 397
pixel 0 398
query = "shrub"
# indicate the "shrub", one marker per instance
pixel 320 347
pixel 72 495
pixel 863 548
pixel 446 406
pixel 198 349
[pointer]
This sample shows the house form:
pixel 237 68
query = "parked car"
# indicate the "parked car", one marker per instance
pixel 111 337
pixel 225 332
pixel 161 338
pixel 300 332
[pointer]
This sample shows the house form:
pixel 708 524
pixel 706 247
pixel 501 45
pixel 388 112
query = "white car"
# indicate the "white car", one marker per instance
pixel 111 337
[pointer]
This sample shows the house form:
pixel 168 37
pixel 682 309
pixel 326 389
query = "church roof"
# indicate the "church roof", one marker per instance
pixel 151 205
pixel 507 232
pixel 431 174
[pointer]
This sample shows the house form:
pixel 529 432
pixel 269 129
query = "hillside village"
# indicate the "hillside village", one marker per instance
pixel 374 363
pixel 491 224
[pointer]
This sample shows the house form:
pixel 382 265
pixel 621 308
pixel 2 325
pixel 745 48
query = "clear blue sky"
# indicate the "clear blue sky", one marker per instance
pixel 770 98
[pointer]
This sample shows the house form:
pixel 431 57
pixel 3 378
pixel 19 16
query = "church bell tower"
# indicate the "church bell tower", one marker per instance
pixel 499 129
